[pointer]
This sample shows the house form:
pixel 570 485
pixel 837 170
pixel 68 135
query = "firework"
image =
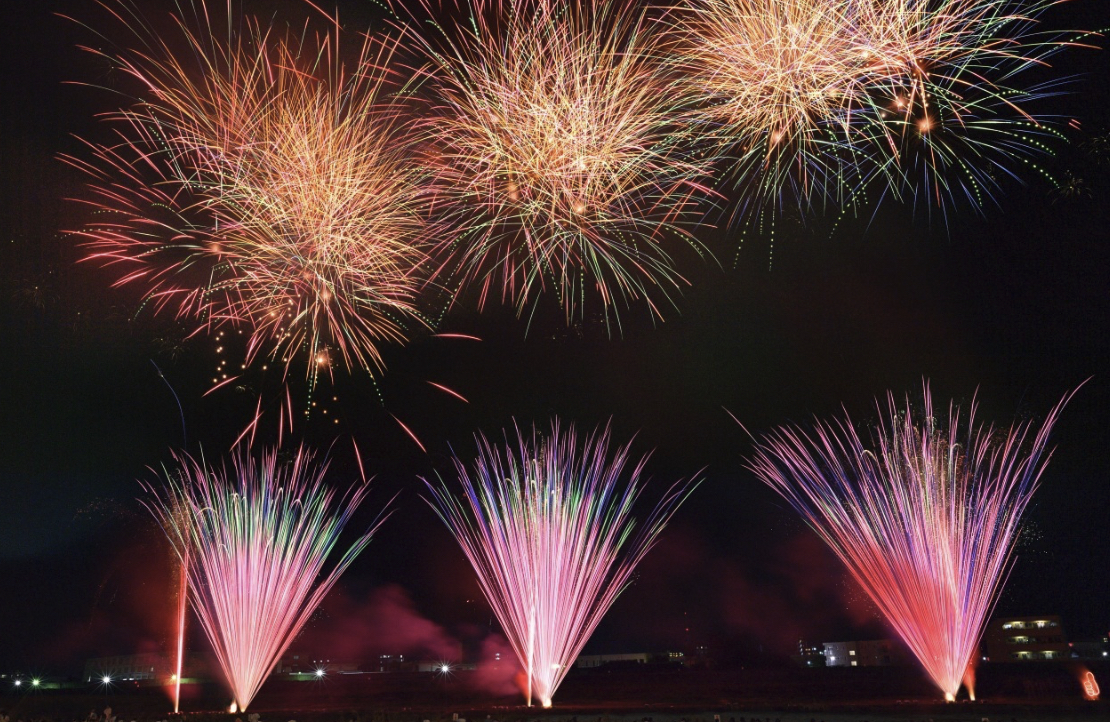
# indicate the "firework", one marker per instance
pixel 949 111
pixel 548 528
pixel 180 516
pixel 774 83
pixel 554 135
pixel 825 100
pixel 182 606
pixel 258 182
pixel 924 518
pixel 257 541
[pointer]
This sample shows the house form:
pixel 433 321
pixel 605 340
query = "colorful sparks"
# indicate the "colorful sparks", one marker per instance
pixel 549 532
pixel 823 101
pixel 950 114
pixel 773 81
pixel 256 182
pixel 554 133
pixel 925 517
pixel 257 539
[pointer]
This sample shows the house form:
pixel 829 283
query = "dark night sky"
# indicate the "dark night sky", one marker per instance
pixel 1015 303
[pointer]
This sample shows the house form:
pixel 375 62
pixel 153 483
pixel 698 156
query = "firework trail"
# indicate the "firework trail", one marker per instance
pixel 823 101
pixel 258 182
pixel 182 607
pixel 257 540
pixel 547 526
pixel 924 517
pixel 554 134
pixel 181 520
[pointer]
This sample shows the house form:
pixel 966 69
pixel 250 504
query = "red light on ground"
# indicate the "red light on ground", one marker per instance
pixel 1090 686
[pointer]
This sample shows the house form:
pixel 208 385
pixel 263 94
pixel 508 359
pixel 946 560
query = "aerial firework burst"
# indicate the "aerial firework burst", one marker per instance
pixel 773 82
pixel 258 182
pixel 548 528
pixel 950 93
pixel 257 540
pixel 925 517
pixel 827 101
pixel 555 136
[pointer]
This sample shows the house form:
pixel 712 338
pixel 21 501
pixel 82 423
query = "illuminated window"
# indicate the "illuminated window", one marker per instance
pixel 852 652
pixel 854 664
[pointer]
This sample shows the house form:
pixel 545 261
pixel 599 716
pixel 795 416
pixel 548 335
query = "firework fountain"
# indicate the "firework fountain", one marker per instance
pixel 924 518
pixel 547 526
pixel 257 540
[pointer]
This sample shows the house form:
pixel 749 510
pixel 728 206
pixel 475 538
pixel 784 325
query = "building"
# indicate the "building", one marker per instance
pixel 299 665
pixel 809 655
pixel 866 653
pixel 1090 649
pixel 129 667
pixel 392 663
pixel 445 667
pixel 293 664
pixel 589 661
pixel 1025 639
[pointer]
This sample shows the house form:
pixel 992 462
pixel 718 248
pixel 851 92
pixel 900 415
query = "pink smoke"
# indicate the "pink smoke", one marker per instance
pixel 498 672
pixel 386 622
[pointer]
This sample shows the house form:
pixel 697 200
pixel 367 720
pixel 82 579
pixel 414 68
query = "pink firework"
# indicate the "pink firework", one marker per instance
pixel 547 526
pixel 257 540
pixel 924 517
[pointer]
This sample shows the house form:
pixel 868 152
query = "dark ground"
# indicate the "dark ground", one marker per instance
pixel 1021 693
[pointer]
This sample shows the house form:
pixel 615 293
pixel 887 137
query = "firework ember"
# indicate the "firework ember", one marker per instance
pixel 257 540
pixel 924 517
pixel 260 183
pixel 547 526
pixel 555 136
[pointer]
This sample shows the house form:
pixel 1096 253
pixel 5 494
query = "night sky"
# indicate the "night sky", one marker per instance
pixel 1013 303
